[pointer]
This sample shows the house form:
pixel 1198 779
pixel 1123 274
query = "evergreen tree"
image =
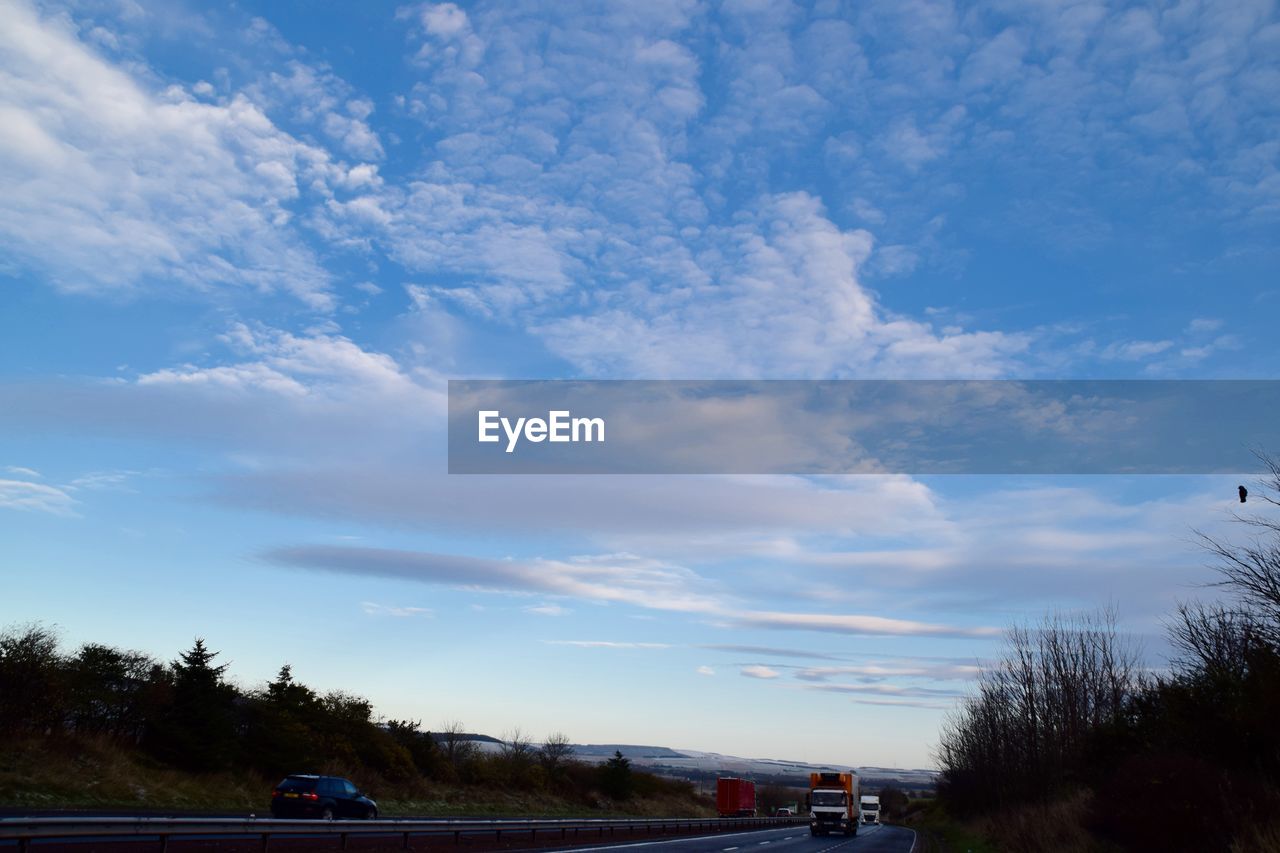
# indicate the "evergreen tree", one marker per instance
pixel 198 731
pixel 615 777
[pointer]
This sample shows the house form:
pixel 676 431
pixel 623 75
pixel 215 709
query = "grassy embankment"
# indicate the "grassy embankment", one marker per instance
pixel 1056 827
pixel 88 774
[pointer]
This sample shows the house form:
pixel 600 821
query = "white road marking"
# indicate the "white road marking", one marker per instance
pixel 684 840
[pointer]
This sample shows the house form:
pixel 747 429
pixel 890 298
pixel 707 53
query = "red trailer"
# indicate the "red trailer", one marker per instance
pixel 735 797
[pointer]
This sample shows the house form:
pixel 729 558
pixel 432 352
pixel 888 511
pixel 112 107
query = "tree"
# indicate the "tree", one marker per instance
pixel 283 723
pixel 199 729
pixel 615 777
pixel 459 750
pixel 420 745
pixel 32 680
pixel 1029 727
pixel 107 691
pixel 516 748
pixel 555 753
pixel 893 802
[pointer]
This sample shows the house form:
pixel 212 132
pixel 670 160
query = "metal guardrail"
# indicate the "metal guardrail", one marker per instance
pixel 25 830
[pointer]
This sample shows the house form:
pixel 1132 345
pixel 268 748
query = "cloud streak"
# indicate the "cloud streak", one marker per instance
pixel 614 579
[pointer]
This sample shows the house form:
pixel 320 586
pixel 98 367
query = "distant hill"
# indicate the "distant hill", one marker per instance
pixel 478 738
pixel 700 767
pixel 631 751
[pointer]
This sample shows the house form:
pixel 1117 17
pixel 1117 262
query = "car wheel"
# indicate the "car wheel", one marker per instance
pixel 371 814
pixel 327 814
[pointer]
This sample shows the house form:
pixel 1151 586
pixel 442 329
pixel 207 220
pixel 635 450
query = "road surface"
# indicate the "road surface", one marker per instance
pixel 792 839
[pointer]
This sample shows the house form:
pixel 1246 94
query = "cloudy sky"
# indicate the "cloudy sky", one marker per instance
pixel 244 248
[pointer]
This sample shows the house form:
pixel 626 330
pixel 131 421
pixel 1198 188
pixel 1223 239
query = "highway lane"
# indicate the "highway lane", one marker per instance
pixel 792 839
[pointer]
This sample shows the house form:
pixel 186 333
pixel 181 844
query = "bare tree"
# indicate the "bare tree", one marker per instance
pixel 1028 723
pixel 517 748
pixel 555 752
pixel 457 747
pixel 1220 638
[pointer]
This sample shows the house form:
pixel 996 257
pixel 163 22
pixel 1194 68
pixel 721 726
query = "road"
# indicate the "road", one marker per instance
pixel 792 839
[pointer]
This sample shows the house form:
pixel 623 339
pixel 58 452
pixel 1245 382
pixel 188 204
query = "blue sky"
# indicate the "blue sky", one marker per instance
pixel 245 247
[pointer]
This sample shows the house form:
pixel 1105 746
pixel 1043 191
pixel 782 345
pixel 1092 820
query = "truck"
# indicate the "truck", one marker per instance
pixel 870 808
pixel 735 797
pixel 833 803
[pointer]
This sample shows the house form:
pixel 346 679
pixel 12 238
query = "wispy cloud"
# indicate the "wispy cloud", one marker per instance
pixel 768 651
pixel 375 609
pixel 547 610
pixel 36 497
pixel 759 671
pixel 890 669
pixel 889 690
pixel 857 624
pixel 606 644
pixel 620 579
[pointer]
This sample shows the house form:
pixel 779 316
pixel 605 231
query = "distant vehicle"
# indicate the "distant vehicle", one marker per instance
pixel 323 797
pixel 870 808
pixel 735 797
pixel 833 803
pixel 783 812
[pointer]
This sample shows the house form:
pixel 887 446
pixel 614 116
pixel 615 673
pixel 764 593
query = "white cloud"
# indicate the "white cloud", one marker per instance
pixel 857 624
pixel 317 365
pixel 893 669
pixel 115 185
pixel 611 579
pixel 705 670
pixel 1136 350
pixel 100 480
pixel 375 609
pixel 1203 325
pixel 759 671
pixel 38 497
pixel 547 610
pixel 606 644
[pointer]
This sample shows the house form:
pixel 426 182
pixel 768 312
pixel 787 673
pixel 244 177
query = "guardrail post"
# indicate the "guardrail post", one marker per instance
pixel 164 843
pixel 343 836
pixel 404 844
pixel 266 839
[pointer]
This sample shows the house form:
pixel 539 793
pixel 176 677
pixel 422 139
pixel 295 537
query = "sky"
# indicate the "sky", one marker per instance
pixel 243 247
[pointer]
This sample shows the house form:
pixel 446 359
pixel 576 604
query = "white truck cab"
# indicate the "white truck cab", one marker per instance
pixel 870 808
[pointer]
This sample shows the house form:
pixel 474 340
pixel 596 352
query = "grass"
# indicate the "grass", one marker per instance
pixel 92 774
pixel 1056 827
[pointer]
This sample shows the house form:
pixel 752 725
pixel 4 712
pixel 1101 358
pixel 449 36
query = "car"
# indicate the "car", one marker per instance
pixel 304 795
pixel 783 812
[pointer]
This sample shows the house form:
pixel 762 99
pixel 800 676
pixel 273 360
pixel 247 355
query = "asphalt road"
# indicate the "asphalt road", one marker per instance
pixel 792 839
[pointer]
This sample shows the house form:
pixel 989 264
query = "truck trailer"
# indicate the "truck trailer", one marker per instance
pixel 870 808
pixel 735 797
pixel 833 803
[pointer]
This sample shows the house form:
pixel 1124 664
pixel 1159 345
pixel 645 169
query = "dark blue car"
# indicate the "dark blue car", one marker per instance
pixel 322 798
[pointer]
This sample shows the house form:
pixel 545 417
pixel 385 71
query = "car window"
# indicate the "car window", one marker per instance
pixel 348 788
pixel 297 784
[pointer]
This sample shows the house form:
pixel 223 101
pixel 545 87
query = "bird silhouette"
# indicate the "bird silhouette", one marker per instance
pixel 1244 493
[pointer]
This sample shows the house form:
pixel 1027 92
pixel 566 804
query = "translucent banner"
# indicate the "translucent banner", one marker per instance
pixel 861 426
